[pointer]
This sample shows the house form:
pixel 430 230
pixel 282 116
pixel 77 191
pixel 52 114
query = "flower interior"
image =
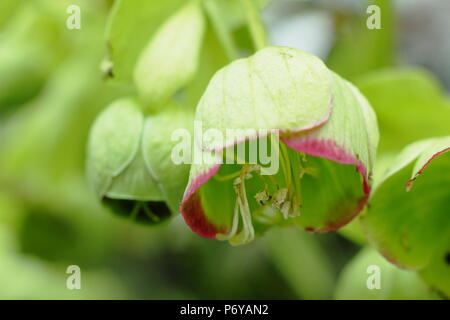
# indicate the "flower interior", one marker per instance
pixel 241 201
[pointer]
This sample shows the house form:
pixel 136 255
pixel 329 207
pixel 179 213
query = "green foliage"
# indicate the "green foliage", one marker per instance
pixel 407 219
pixel 410 105
pixel 359 49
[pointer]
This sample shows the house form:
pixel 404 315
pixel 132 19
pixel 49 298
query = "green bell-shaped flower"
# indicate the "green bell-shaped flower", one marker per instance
pixel 129 163
pixel 320 127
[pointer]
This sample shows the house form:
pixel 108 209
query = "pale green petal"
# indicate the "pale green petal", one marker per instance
pixel 171 58
pixel 113 143
pixel 277 88
pixel 130 26
pixel 352 129
pixel 135 183
pixel 157 145
pixel 336 194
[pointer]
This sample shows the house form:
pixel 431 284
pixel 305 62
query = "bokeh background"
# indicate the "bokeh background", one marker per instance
pixel 51 88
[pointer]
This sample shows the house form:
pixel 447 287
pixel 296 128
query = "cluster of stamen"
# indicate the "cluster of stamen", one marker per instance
pixel 286 200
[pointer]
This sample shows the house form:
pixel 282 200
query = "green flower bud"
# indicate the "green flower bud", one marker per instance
pixel 171 58
pixel 129 164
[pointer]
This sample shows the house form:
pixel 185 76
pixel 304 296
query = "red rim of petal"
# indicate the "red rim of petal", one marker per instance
pixel 328 149
pixel 419 172
pixel 194 216
pixel 192 210
pixel 337 225
pixel 191 207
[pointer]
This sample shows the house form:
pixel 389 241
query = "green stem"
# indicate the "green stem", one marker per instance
pixel 296 177
pixel 149 213
pixel 222 29
pixel 255 24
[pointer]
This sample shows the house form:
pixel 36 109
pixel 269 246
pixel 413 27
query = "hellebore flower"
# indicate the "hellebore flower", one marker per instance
pixel 129 160
pixel 325 128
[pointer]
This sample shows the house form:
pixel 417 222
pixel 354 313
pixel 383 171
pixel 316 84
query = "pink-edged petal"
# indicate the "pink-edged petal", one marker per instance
pixel 347 214
pixel 348 139
pixel 328 149
pixel 191 206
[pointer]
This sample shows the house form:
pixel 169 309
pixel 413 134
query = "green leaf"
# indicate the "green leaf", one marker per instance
pixel 358 49
pixel 437 271
pixel 277 88
pixel 170 59
pixel 407 220
pixel 131 25
pixel 410 105
pixel 395 284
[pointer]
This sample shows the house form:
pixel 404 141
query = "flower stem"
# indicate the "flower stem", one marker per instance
pixel 255 24
pixel 221 29
pixel 297 169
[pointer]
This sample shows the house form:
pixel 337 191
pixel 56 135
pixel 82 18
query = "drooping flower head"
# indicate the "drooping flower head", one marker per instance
pixel 319 128
pixel 129 163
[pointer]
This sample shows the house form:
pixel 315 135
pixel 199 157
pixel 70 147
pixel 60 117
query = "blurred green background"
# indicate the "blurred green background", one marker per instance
pixel 52 87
